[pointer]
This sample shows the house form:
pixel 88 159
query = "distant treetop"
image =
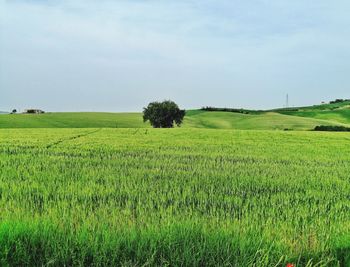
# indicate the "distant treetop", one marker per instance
pixel 339 101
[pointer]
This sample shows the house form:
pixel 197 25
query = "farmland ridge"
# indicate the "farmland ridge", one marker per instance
pixel 300 118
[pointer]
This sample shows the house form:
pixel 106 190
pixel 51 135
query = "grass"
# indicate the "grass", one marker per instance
pixel 264 121
pixel 173 197
pixel 335 116
pixel 335 113
pixel 193 119
pixel 73 120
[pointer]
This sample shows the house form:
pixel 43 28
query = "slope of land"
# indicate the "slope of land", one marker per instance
pixel 335 116
pixel 301 118
pixel 179 197
pixel 193 119
pixel 73 120
pixel 264 121
pixel 336 112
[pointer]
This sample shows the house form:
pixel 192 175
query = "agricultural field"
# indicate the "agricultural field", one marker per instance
pixel 300 118
pixel 174 197
pixel 73 120
pixel 193 119
pixel 263 121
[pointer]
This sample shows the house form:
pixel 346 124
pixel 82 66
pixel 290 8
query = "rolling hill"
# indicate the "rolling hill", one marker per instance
pixel 335 113
pixel 73 120
pixel 264 121
pixel 300 118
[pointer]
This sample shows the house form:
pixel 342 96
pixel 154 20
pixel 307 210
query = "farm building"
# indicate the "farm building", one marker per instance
pixel 33 111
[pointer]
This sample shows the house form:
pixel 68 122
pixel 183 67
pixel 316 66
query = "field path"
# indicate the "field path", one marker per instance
pixel 72 138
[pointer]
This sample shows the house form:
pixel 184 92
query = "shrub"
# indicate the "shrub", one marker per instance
pixel 331 128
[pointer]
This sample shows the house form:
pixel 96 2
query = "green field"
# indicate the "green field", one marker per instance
pixel 336 113
pixel 263 121
pixel 301 118
pixel 74 192
pixel 73 120
pixel 193 119
pixel 174 197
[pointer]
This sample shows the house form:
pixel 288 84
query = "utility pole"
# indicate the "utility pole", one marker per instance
pixel 287 101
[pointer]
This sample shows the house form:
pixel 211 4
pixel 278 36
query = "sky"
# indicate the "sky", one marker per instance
pixel 106 55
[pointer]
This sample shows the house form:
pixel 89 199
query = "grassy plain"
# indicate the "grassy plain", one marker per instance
pixel 73 120
pixel 193 119
pixel 176 197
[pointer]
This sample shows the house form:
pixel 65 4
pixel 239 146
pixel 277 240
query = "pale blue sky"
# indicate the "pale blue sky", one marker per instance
pixel 119 55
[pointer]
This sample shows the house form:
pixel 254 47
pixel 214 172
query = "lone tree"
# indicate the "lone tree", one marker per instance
pixel 163 114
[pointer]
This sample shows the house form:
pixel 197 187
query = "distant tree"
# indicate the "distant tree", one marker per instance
pixel 338 101
pixel 163 114
pixel 332 128
pixel 14 111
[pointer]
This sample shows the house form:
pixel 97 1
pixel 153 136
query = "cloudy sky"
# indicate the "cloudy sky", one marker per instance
pixel 106 55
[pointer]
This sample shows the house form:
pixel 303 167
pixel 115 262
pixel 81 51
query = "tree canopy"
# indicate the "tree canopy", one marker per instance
pixel 163 114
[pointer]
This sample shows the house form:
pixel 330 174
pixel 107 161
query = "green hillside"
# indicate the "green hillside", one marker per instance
pixel 300 118
pixel 342 116
pixel 73 120
pixel 193 119
pixel 264 121
pixel 336 112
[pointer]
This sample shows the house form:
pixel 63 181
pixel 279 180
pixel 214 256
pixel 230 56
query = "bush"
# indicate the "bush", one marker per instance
pixel 339 101
pixel 332 128
pixel 235 110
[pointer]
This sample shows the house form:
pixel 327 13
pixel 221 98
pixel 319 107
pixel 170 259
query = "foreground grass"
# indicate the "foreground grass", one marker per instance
pixel 133 197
